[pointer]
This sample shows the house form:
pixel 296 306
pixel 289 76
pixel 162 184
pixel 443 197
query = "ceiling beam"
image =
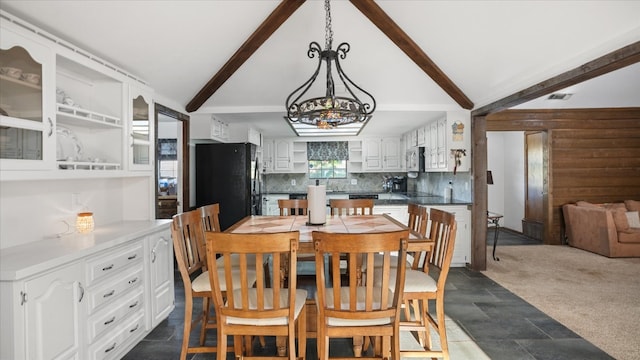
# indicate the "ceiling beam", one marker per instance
pixel 380 19
pixel 612 61
pixel 262 33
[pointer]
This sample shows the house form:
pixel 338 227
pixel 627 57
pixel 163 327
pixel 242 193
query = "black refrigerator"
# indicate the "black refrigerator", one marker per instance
pixel 228 174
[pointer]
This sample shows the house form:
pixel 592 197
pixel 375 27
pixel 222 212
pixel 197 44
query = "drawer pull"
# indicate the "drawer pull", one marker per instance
pixel 107 268
pixel 133 305
pixel 135 328
pixel 132 257
pixel 110 348
pixel 110 293
pixel 133 281
pixel 110 321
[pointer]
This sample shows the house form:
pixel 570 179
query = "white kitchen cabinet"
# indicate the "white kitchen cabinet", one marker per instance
pixel 72 112
pixel 84 296
pixel 462 248
pixel 445 135
pixel 376 154
pixel 160 251
pixel 354 164
pixel 115 280
pixel 219 130
pixel 43 315
pixel 422 136
pixel 283 155
pixel 300 163
pixel 27 123
pixel 267 156
pixel 392 154
pixel 89 118
pixel 372 154
pixel 141 129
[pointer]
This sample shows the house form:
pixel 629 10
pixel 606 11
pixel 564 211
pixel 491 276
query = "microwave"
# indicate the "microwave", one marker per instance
pixel 415 159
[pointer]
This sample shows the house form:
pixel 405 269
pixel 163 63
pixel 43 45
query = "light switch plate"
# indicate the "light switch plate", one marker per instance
pixel 293 182
pixel 354 181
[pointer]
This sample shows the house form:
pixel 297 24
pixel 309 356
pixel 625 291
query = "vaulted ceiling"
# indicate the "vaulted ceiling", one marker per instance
pixel 485 50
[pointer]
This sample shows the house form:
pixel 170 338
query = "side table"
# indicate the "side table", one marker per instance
pixel 494 220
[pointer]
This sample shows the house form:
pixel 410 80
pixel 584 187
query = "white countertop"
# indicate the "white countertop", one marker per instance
pixel 22 261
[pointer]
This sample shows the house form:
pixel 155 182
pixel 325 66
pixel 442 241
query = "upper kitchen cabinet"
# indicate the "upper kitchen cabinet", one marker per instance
pixel 219 130
pixel 448 143
pixel 27 123
pixel 372 154
pixel 89 113
pixel 376 154
pixel 392 154
pixel 284 156
pixel 141 129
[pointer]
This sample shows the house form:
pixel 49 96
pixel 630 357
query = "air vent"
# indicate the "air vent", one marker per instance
pixel 559 96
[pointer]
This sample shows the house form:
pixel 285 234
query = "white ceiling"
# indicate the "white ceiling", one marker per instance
pixel 489 49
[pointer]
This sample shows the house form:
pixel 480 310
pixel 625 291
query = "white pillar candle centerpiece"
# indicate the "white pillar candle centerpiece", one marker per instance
pixel 317 203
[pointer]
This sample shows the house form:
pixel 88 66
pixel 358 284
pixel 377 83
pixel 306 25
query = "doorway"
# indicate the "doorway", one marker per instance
pixel 172 162
pixel 518 162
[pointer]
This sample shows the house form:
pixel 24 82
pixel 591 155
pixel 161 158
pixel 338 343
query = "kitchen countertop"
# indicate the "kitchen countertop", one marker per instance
pixel 395 198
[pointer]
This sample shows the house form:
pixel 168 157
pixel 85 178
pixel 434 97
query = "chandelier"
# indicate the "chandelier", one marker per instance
pixel 329 111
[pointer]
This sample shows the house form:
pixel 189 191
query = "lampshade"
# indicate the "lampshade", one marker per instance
pixel 489 178
pixel 84 222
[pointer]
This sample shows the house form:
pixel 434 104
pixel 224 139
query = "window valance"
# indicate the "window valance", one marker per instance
pixel 327 150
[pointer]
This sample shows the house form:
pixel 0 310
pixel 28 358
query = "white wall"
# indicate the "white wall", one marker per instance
pixel 35 210
pixel 505 159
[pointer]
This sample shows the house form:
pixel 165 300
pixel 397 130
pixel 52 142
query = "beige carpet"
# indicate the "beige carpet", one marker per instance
pixel 596 297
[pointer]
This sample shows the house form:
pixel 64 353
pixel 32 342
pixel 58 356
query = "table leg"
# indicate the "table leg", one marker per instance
pixel 495 241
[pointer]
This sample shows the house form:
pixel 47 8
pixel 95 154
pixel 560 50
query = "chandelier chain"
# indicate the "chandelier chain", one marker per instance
pixel 328 32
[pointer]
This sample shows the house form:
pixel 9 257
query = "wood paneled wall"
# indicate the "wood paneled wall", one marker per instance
pixel 594 155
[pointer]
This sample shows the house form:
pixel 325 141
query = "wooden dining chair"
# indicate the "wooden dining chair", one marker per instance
pixel 347 309
pixel 290 207
pixel 259 309
pixel 421 288
pixel 188 245
pixel 351 206
pixel 211 222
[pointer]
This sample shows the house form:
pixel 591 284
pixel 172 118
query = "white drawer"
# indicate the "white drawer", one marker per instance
pixel 112 345
pixel 116 287
pixel 115 314
pixel 111 263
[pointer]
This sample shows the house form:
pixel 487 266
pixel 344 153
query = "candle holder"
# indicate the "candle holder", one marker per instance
pixel 84 222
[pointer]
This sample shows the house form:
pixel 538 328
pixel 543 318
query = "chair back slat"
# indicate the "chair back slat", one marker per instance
pixel 351 206
pixel 290 207
pixel 210 217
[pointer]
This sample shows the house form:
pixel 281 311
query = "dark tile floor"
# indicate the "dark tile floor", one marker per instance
pixel 503 325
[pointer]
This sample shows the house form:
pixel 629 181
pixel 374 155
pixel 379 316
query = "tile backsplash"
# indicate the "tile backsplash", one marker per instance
pixel 365 182
pixel 433 183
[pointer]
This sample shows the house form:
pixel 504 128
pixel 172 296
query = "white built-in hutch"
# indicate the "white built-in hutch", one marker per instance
pixel 76 134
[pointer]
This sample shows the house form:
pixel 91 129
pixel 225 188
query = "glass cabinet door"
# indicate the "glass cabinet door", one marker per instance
pixel 26 124
pixel 141 131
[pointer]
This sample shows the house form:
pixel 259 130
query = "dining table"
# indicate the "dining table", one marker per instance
pixel 354 224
